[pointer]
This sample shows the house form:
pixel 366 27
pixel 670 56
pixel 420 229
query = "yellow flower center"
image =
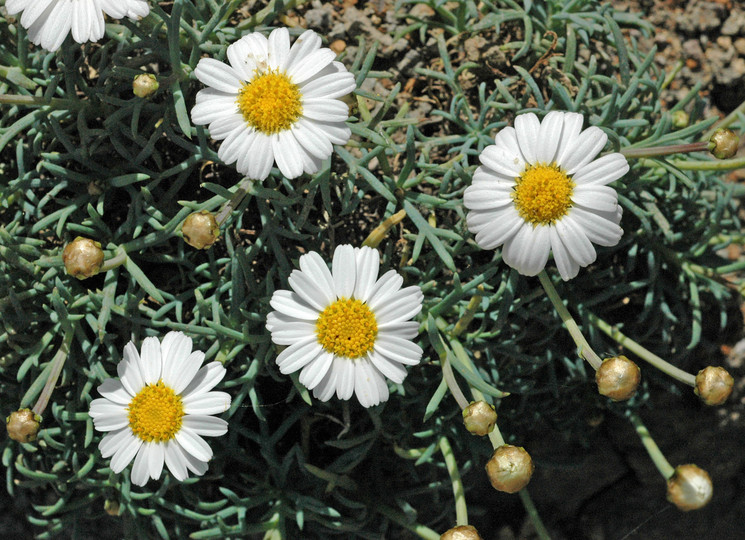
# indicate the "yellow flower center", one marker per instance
pixel 270 102
pixel 347 328
pixel 543 194
pixel 155 413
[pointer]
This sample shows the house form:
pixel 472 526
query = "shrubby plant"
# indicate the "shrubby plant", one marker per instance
pixel 87 154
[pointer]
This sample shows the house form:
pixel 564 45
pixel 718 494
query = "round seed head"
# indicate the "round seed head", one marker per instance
pixel 725 143
pixel 509 468
pixel 462 532
pixel 145 85
pixel 618 378
pixel 714 385
pixel 200 229
pixel 23 425
pixel 480 418
pixel 83 257
pixel 689 488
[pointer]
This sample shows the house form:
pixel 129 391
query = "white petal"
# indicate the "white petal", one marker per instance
pixel 205 380
pixel 400 350
pixel 407 304
pixel 175 350
pixel 287 152
pixel 407 330
pixel 325 110
pixel 175 460
pixel 334 85
pixel 393 370
pixel 286 331
pixel 528 250
pixel 385 289
pixel 313 265
pixel 344 270
pixel 481 198
pixel 595 197
pixel 569 133
pixel 193 444
pixel 314 62
pixel 221 127
pixel 312 373
pixel 299 355
pixel 212 105
pixel 230 148
pixel 365 386
pixel 140 469
pixel 31 11
pixel 207 426
pixel 598 229
pixel 502 161
pixel 155 459
pixel 243 151
pixel 111 442
pixel 326 388
pixel 290 303
pixel 195 465
pixel 587 145
pixel 484 177
pixel 549 136
pixel 218 75
pixel 527 128
pixel 113 390
pixel 123 456
pixel 262 160
pixel 368 264
pixel 336 132
pixel 602 171
pixel 129 370
pixel 188 368
pixel 345 369
pixel 114 8
pixel 579 246
pixel 101 407
pixel 304 45
pixel 278 48
pixel 207 403
pixel 152 365
pixel 498 231
pixel 311 141
pixel 309 290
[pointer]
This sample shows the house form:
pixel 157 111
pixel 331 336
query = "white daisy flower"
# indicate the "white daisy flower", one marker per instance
pixel 346 330
pixel 159 409
pixel 539 189
pixel 275 103
pixel 49 21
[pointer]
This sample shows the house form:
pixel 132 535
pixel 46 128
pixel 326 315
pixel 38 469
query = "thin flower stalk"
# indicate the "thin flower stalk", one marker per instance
pixel 379 233
pixel 243 189
pixel 652 151
pixel 585 351
pixel 461 508
pixel 658 458
pixel 646 355
pixel 57 364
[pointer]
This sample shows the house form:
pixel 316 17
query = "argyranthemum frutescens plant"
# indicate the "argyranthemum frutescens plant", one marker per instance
pixel 85 157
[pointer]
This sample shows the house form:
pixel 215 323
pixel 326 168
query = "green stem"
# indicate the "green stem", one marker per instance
pixel 461 509
pixel 725 122
pixel 117 260
pixel 648 356
pixel 57 363
pixel 535 518
pixel 585 351
pixel 234 201
pixel 468 314
pixel 659 460
pixel 721 165
pixel 667 150
pixel 449 376
pixel 38 101
pixel 397 517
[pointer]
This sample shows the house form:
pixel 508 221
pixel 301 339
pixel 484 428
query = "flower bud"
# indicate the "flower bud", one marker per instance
pixel 23 425
pixel 200 229
pixel 714 385
pixel 725 143
pixel 509 468
pixel 111 507
pixel 618 378
pixel 83 257
pixel 680 119
pixel 462 532
pixel 145 85
pixel 689 488
pixel 479 418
